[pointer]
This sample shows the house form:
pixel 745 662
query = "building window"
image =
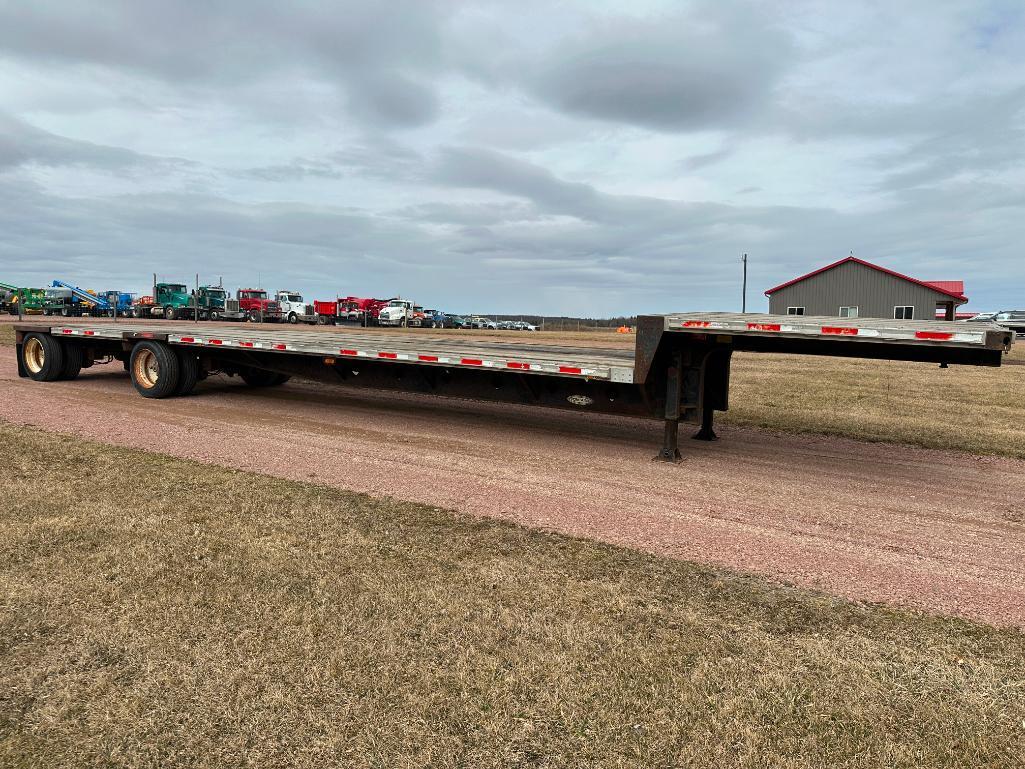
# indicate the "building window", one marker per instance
pixel 849 312
pixel 903 312
pixel 795 311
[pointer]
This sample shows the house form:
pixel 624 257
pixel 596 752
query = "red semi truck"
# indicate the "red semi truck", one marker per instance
pixel 255 303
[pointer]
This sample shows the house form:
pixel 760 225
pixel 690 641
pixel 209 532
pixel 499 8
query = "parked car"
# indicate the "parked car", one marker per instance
pixel 982 317
pixel 483 323
pixel 456 321
pixel 521 325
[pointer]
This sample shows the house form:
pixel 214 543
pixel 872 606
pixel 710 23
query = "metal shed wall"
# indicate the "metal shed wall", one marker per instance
pixel 874 293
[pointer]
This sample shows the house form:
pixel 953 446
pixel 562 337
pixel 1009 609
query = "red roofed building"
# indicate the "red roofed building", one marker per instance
pixel 852 288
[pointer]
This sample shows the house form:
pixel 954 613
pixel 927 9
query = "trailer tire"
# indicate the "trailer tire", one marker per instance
pixel 188 365
pixel 43 357
pixel 155 369
pixel 74 357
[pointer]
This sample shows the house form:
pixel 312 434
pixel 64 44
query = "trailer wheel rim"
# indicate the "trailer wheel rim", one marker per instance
pixel 35 355
pixel 146 370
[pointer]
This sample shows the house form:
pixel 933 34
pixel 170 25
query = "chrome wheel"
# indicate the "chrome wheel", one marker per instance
pixel 146 370
pixel 35 356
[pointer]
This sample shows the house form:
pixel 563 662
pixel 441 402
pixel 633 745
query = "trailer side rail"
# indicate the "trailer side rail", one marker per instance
pixel 528 359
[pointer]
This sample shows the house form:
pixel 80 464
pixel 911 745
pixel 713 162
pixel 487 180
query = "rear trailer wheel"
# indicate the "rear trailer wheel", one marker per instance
pixel 73 360
pixel 188 365
pixel 156 370
pixel 43 357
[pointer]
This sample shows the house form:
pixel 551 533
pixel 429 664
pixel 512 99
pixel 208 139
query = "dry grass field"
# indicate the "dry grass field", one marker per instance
pixel 980 410
pixel 157 612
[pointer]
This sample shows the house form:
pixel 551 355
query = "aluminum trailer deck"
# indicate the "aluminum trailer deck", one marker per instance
pixel 678 371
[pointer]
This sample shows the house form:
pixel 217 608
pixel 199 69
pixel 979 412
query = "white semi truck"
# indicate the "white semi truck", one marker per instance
pixel 294 309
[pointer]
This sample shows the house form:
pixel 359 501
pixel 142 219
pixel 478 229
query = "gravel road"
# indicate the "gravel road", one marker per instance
pixel 926 529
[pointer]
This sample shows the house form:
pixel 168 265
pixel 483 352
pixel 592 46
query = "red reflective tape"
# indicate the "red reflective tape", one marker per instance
pixel 472 362
pixel 428 358
pixel 245 344
pixel 936 336
pixel 279 346
pixel 387 355
pixel 517 365
pixel 569 370
pixel 697 323
pixel 215 341
pixel 188 339
pixel 763 326
pixel 840 330
pixel 348 352
pixel 146 335
pixel 89 333
pixel 67 331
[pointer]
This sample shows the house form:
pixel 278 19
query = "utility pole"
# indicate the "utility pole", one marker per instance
pixel 743 296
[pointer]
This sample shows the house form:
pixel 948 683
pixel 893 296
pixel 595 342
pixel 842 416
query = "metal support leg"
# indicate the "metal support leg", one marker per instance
pixel 670 451
pixel 706 433
pixel 671 444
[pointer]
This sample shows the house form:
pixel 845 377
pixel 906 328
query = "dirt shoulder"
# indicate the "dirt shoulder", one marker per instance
pixel 933 530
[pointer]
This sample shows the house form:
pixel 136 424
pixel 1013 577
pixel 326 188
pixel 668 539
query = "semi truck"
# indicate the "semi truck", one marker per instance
pixel 212 303
pixel 352 310
pixel 397 312
pixel 170 301
pixel 678 372
pixel 256 305
pixel 294 309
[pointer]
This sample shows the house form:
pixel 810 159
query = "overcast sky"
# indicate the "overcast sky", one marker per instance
pixel 551 157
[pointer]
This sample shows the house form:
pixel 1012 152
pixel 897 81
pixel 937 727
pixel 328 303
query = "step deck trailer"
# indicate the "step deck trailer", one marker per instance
pixel 679 370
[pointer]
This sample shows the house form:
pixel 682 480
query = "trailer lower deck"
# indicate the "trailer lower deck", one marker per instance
pixel 678 371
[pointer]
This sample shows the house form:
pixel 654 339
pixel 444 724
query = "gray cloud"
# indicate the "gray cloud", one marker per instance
pixel 708 68
pixel 24 144
pixel 210 48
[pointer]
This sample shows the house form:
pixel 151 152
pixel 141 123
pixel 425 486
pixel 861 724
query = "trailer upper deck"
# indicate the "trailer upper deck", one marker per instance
pixel 976 343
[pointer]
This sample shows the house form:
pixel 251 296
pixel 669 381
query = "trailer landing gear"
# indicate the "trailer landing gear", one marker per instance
pixel 670 451
pixel 706 433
